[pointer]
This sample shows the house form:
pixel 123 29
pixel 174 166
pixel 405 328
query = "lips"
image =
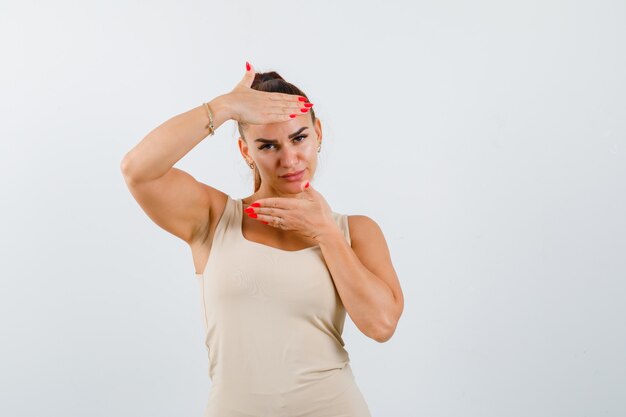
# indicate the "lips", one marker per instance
pixel 292 174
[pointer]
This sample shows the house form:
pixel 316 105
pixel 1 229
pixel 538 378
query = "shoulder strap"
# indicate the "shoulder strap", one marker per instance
pixel 342 222
pixel 226 222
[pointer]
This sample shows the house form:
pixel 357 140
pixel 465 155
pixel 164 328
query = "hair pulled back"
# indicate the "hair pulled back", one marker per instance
pixel 271 82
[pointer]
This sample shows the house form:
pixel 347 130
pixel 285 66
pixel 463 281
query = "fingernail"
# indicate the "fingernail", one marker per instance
pixel 247 66
pixel 292 115
pixel 263 222
pixel 255 205
pixel 304 110
pixel 308 104
pixel 249 210
pixel 302 98
pixel 307 185
pixel 253 215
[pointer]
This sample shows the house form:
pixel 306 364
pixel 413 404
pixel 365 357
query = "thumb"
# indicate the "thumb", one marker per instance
pixel 305 187
pixel 248 77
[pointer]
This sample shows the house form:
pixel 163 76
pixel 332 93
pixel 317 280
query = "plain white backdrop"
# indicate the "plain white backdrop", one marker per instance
pixel 486 138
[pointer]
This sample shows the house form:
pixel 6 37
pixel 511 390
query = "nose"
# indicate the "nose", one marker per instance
pixel 288 157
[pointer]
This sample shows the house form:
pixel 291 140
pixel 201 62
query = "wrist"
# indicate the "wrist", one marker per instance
pixel 220 109
pixel 329 233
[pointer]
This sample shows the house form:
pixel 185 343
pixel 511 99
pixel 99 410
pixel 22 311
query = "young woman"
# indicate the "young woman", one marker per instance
pixel 278 269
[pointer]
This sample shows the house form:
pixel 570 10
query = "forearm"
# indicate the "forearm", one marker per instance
pixel 367 299
pixel 169 142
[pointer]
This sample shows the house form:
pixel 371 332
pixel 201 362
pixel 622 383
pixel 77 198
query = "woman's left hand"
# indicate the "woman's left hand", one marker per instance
pixel 308 214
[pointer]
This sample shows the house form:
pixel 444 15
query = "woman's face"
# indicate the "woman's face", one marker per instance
pixel 283 148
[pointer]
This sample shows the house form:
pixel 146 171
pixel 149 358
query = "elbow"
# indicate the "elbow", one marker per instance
pixel 386 329
pixel 382 337
pixel 126 169
pixel 124 165
pixel 384 333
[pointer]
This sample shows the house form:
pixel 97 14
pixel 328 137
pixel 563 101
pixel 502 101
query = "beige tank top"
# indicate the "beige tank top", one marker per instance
pixel 273 322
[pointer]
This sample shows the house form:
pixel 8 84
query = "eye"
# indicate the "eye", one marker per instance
pixel 263 147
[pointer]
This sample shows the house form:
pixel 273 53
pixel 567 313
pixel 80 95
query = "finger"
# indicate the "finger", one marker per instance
pixel 270 211
pixel 287 110
pixel 248 77
pixel 273 221
pixel 296 106
pixel 285 203
pixel 307 193
pixel 287 97
pixel 294 109
pixel 291 107
pixel 276 117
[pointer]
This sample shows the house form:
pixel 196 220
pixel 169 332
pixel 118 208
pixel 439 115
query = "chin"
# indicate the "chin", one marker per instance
pixel 296 184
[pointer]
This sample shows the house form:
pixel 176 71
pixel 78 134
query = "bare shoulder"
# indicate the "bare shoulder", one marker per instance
pixel 362 228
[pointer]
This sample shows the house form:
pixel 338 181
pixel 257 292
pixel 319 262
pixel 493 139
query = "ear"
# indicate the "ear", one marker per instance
pixel 318 130
pixel 243 148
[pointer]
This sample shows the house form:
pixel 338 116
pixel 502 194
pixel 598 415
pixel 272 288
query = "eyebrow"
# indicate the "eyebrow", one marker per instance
pixel 275 141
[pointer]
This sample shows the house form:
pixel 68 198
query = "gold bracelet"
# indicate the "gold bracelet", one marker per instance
pixel 210 125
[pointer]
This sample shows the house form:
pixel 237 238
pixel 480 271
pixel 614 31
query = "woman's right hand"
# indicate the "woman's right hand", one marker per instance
pixel 260 107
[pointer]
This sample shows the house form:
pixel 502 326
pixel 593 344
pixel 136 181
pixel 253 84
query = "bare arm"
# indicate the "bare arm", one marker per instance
pixel 172 198
pixel 169 142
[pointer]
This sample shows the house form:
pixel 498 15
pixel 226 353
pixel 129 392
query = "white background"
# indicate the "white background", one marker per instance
pixel 486 138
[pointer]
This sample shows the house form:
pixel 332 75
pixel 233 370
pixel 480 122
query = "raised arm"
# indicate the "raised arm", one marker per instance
pixel 172 198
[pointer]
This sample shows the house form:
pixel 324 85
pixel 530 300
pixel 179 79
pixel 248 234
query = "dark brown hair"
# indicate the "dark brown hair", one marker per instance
pixel 271 82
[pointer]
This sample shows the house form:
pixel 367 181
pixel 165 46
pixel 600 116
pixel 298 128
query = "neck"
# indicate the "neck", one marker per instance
pixel 268 193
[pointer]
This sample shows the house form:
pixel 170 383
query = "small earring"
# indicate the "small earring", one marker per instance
pixel 319 148
pixel 250 164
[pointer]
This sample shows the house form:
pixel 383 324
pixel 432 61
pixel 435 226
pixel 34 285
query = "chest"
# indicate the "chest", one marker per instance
pixel 256 275
pixel 255 233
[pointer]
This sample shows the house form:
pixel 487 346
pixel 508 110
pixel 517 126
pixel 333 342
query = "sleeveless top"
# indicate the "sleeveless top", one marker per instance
pixel 273 322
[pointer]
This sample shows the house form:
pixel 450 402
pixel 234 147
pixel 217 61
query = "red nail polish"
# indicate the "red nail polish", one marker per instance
pixel 302 98
pixel 308 104
pixel 249 210
pixel 304 110
pixel 253 215
pixel 255 205
pixel 247 66
pixel 307 185
pixel 292 115
pixel 263 222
